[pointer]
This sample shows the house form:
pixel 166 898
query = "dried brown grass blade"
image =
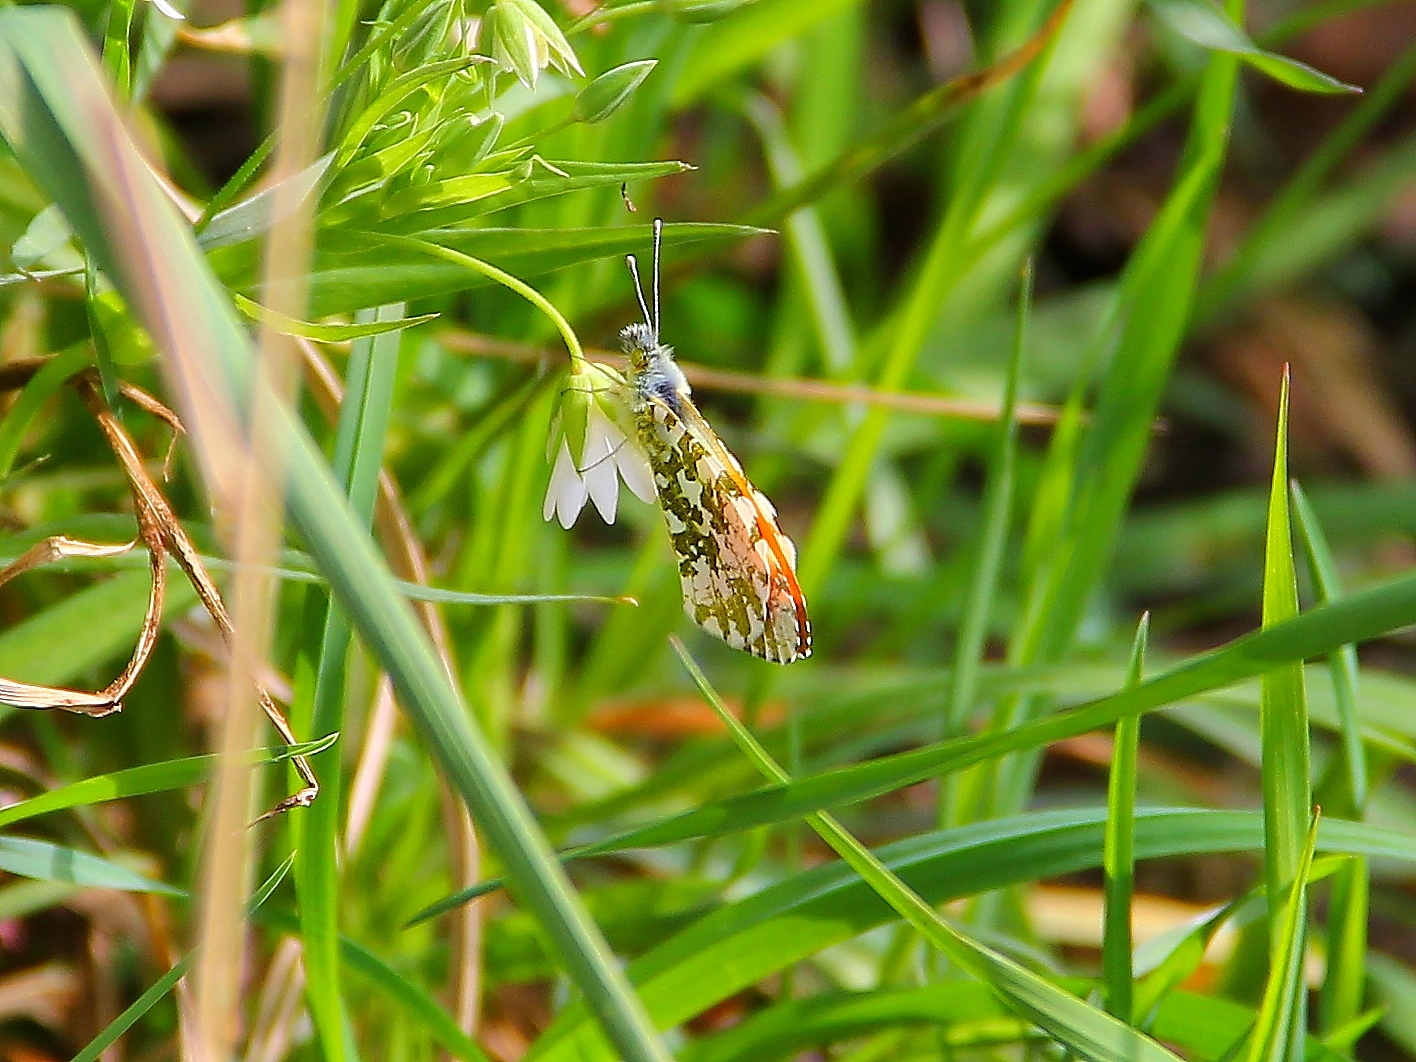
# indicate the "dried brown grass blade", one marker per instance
pixel 109 699
pixel 161 532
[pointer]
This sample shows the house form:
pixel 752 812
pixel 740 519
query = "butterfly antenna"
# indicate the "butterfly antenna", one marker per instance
pixel 658 241
pixel 639 292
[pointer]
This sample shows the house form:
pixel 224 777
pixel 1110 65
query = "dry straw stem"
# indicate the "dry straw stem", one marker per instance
pixel 256 533
pixel 746 383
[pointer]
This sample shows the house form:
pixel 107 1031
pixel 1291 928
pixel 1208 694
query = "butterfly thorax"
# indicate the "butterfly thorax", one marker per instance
pixel 652 369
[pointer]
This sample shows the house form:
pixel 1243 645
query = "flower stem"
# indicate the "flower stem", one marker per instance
pixel 602 15
pixel 525 290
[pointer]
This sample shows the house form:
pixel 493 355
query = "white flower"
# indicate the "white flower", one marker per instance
pixel 606 454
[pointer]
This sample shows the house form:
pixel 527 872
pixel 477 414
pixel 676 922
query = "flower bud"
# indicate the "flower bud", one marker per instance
pixel 695 11
pixel 420 42
pixel 522 38
pixel 603 96
pixel 467 139
pixel 551 46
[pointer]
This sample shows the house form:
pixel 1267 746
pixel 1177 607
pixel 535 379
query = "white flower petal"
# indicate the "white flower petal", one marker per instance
pixel 565 495
pixel 570 502
pixel 168 10
pixel 634 467
pixel 598 464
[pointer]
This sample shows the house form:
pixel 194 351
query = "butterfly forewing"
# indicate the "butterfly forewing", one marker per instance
pixel 735 565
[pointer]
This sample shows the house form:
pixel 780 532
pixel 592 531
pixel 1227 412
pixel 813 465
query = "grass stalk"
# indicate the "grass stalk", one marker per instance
pixel 1119 851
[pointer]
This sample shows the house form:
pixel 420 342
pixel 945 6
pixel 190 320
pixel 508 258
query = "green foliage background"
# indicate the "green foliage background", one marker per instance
pixel 987 721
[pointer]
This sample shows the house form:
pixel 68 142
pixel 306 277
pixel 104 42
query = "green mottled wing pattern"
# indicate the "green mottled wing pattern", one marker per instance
pixel 736 585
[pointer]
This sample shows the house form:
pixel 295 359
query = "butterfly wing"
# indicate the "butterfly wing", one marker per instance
pixel 736 568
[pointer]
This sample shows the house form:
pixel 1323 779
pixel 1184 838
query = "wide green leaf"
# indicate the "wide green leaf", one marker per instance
pixel 1359 617
pixel 1206 24
pixel 352 272
pixel 29 858
pixel 743 942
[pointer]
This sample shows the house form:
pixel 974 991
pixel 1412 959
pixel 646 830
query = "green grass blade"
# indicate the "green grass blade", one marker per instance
pixel 1170 960
pixel 741 943
pixel 1136 352
pixel 1367 614
pixel 252 217
pixel 102 349
pixel 150 778
pixel 326 333
pixel 1345 976
pixel 1320 231
pixel 784 1030
pixel 993 536
pixel 53 122
pixel 1086 161
pixel 906 128
pixel 1207 24
pixel 1234 279
pixel 1209 1028
pixel 237 184
pixel 1283 705
pixel 134 1012
pixel 1279 1029
pixel 1078 1026
pixel 806 240
pixel 353 271
pixel 1215 1028
pixel 735 43
pixel 1153 315
pixel 34 394
pixel 1342 663
pixel 42 861
pixel 456 201
pixel 358 459
pixel 433 1018
pixel 1119 854
pixel 117 58
pixel 960 794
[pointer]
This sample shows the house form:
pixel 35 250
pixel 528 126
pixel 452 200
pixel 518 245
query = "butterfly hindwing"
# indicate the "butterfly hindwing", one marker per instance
pixel 735 565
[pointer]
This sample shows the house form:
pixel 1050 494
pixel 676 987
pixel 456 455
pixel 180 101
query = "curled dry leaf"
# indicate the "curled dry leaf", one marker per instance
pixel 162 534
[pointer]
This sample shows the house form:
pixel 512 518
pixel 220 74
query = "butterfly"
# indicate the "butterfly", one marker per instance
pixel 736 568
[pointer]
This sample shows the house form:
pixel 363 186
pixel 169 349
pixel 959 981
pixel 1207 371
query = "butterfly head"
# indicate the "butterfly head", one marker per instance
pixel 638 341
